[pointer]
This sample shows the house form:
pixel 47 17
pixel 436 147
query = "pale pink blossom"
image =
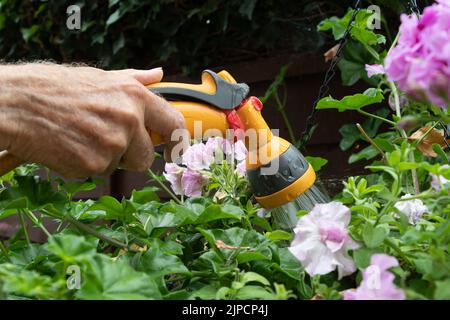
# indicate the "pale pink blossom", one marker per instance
pixel 192 183
pixel 173 174
pixel 198 157
pixel 241 168
pixel 437 180
pixel 322 241
pixel 413 209
pixel 377 282
pixel 240 151
pixel 374 69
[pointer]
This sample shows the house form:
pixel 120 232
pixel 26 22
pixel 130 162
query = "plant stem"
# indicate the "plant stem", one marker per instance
pixel 280 109
pixel 95 233
pixel 37 222
pixel 369 139
pixel 5 251
pixel 392 123
pixel 24 227
pixel 392 245
pixel 404 135
pixel 155 177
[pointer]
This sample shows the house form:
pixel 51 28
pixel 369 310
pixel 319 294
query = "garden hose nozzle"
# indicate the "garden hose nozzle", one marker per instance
pixel 278 173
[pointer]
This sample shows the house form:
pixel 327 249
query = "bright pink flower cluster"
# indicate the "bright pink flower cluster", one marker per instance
pixel 189 179
pixel 420 63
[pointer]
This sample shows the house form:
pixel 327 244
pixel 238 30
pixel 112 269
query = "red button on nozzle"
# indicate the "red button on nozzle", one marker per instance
pixel 257 104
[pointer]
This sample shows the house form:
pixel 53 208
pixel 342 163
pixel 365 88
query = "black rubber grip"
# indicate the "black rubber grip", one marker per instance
pixel 292 165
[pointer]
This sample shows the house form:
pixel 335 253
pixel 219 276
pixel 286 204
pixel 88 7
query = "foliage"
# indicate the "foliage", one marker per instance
pixel 179 34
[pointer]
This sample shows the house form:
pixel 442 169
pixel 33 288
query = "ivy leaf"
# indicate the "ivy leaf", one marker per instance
pixel 354 102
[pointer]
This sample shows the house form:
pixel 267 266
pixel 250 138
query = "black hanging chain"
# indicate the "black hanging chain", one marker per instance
pixel 413 7
pixel 329 75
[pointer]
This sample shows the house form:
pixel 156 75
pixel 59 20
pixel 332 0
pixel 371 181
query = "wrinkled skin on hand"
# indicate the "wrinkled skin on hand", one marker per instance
pixel 82 121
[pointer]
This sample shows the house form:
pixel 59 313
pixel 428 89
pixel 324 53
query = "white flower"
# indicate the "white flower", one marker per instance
pixel 413 209
pixel 437 181
pixel 321 240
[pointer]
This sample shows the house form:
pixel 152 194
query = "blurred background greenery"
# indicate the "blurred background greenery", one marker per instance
pixel 183 35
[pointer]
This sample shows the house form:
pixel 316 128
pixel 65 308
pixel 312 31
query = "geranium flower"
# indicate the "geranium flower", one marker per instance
pixel 437 181
pixel 241 168
pixel 240 151
pixel 173 174
pixel 321 240
pixel 377 282
pixel 374 69
pixel 198 157
pixel 413 209
pixel 192 183
pixel 420 63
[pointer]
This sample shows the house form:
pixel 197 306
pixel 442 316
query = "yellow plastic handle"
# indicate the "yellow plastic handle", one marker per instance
pixel 199 118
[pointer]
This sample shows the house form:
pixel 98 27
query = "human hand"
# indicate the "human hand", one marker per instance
pixel 81 121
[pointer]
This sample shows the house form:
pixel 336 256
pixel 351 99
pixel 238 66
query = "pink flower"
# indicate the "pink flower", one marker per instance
pixel 420 63
pixel 437 181
pixel 240 151
pixel 374 69
pixel 241 169
pixel 192 183
pixel 173 174
pixel 198 157
pixel 321 240
pixel 377 282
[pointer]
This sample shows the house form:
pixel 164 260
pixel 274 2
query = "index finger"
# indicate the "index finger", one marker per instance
pixel 163 118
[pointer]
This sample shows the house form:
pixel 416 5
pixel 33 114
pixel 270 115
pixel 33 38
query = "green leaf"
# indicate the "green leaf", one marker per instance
pixel 145 195
pixel 113 17
pixel 354 102
pixel 438 149
pixel 362 257
pixel 158 264
pixel 72 248
pixel 442 291
pixel 247 7
pixel 28 33
pixel 217 212
pixel 317 162
pixel 254 292
pixel 278 235
pixel 374 236
pixel 30 192
pixel 366 153
pixel 116 280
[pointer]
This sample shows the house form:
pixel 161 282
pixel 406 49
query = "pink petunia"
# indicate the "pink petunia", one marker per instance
pixel 322 241
pixel 377 282
pixel 192 183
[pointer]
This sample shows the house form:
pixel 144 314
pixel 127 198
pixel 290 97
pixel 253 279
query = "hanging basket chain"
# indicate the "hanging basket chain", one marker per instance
pixel 329 75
